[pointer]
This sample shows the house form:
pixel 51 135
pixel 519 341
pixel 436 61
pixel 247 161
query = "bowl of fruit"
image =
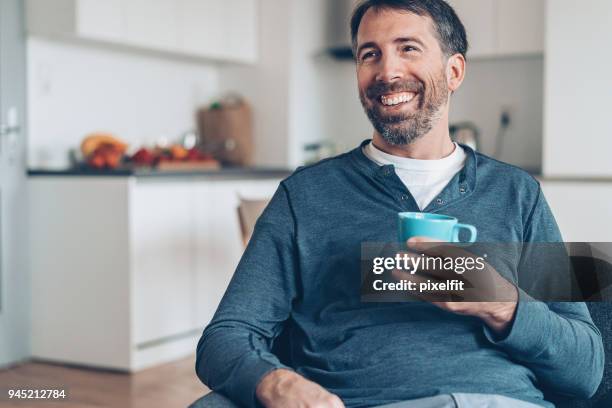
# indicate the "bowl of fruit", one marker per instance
pixel 104 151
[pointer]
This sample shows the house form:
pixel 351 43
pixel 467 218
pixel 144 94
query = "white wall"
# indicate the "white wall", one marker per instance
pixel 74 90
pixel 582 209
pixel 344 120
pixel 493 85
pixel 578 129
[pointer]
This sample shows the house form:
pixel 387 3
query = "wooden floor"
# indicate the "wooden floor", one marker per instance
pixel 167 386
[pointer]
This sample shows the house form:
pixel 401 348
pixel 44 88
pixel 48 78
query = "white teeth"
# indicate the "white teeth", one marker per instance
pixel 388 101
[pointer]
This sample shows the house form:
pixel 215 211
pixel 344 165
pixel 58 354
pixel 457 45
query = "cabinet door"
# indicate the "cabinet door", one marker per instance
pixel 520 26
pixel 218 238
pixel 202 27
pixel 479 18
pixel 162 251
pixel 101 20
pixel 152 23
pixel 218 29
pixel 241 34
pixel 218 245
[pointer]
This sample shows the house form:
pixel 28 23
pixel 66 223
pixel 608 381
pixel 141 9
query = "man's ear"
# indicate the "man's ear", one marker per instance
pixel 455 71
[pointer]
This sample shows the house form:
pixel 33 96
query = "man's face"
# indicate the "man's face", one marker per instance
pixel 401 74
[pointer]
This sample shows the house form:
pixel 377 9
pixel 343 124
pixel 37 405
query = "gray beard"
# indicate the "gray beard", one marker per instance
pixel 400 131
pixel 406 128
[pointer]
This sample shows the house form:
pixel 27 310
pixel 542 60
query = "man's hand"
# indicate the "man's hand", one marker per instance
pixel 487 285
pixel 286 389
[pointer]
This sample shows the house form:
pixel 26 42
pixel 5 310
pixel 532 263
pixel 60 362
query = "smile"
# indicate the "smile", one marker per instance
pixel 396 99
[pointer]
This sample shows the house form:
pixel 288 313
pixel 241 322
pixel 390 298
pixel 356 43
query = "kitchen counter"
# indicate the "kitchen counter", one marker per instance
pixel 242 173
pixel 224 173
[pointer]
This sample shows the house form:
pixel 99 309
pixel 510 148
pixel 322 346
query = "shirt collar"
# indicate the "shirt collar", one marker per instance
pixel 455 160
pixel 461 186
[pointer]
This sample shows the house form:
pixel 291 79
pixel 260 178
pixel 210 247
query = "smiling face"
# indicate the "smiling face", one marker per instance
pixel 402 74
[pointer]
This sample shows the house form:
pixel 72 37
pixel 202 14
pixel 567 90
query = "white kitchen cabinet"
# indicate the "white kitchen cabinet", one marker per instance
pixel 80 271
pixel 127 271
pixel 200 26
pixel 241 39
pixel 217 258
pixel 162 247
pixel 221 29
pixel 479 18
pixel 152 23
pixel 502 27
pixel 216 215
pixel 206 29
pixel 101 20
pixel 520 26
pixel 86 19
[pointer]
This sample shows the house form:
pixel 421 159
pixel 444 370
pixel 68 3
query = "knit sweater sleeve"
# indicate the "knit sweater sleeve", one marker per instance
pixel 557 340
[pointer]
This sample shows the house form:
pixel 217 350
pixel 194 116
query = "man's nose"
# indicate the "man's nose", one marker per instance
pixel 390 69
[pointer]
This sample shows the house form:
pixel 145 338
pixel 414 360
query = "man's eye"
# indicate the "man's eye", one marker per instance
pixel 409 48
pixel 368 55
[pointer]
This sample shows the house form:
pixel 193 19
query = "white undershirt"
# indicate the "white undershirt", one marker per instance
pixel 425 179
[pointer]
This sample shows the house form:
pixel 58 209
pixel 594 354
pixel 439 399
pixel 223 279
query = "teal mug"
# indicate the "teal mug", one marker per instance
pixel 436 226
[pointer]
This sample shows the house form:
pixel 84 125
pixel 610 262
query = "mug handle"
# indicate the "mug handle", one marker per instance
pixel 471 228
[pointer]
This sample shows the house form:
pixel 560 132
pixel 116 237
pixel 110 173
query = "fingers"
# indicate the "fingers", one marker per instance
pixel 329 401
pixel 423 239
pixel 336 402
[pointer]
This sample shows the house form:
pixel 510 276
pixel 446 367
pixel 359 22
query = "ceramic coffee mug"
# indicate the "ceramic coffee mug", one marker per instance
pixel 436 226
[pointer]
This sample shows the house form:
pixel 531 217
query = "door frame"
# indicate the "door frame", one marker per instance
pixel 15 331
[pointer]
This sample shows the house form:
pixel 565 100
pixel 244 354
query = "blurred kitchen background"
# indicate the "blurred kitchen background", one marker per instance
pixel 132 130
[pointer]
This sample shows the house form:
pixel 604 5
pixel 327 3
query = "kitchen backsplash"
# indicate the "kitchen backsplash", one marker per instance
pixel 74 90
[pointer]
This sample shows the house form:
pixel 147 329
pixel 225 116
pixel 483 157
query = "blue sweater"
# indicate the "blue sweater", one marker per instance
pixel 301 268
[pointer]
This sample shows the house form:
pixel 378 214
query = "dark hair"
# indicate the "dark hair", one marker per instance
pixel 450 29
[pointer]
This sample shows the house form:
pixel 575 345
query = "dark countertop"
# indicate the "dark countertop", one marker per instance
pixel 223 173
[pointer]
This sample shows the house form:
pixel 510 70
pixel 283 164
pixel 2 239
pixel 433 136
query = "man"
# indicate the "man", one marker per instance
pixel 301 269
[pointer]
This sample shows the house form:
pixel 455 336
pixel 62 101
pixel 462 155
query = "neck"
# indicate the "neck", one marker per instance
pixel 434 145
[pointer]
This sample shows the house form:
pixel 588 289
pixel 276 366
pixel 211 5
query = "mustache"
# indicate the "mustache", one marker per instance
pixel 378 89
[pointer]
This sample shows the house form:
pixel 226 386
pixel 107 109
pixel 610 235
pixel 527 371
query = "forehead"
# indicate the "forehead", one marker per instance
pixel 385 25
